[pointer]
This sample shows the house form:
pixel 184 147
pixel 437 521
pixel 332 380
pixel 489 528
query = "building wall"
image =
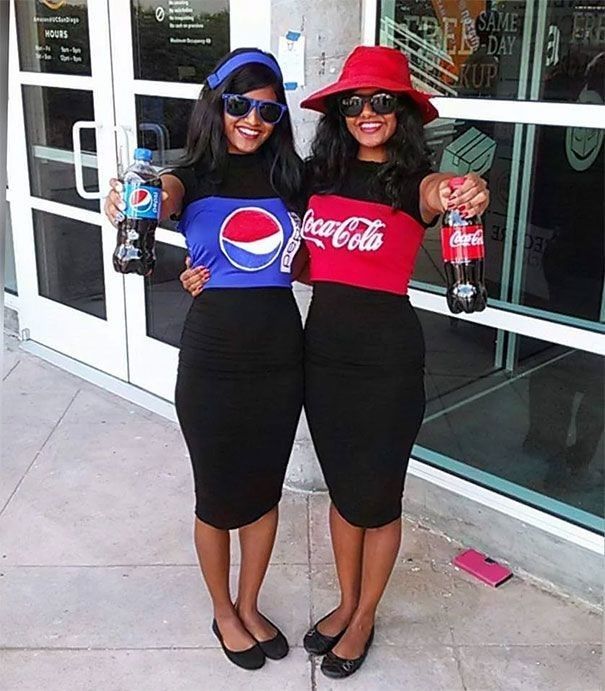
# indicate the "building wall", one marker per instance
pixel 331 31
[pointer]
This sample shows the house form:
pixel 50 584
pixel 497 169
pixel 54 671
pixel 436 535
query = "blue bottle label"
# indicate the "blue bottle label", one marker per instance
pixel 142 201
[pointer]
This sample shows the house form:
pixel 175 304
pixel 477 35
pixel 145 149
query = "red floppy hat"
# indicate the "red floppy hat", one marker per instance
pixel 374 67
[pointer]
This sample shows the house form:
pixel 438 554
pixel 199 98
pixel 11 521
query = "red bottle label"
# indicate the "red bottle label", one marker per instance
pixel 461 243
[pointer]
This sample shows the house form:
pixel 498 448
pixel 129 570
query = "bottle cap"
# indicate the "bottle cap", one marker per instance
pixel 142 154
pixel 454 183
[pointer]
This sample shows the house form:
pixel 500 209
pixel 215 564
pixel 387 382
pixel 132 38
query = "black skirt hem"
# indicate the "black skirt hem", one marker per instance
pixel 366 525
pixel 242 523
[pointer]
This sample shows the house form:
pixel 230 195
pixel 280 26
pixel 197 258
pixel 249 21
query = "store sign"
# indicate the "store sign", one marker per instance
pixel 53 36
pixel 178 40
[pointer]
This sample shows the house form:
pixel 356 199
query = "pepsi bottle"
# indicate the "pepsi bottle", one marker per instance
pixel 142 195
pixel 463 257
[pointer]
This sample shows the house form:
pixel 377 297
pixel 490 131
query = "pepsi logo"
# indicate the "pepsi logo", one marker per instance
pixel 251 238
pixel 140 199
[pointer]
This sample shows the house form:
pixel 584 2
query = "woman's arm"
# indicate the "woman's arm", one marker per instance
pixel 436 196
pixel 173 192
pixel 300 266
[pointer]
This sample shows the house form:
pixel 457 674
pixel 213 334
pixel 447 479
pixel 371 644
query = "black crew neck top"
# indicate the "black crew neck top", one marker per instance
pixel 361 182
pixel 247 176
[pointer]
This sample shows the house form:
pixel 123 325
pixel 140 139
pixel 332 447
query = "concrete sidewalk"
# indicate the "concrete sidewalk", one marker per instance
pixel 99 586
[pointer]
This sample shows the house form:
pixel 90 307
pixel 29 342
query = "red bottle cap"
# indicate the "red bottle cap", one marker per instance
pixel 454 183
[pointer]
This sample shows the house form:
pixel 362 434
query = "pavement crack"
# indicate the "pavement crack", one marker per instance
pixel 11 370
pixel 309 575
pixel 456 652
pixel 35 458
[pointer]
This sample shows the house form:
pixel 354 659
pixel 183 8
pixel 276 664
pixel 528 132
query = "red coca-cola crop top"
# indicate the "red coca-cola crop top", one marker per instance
pixel 355 237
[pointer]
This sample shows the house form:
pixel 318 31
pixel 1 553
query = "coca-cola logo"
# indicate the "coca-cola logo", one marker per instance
pixel 461 239
pixel 353 233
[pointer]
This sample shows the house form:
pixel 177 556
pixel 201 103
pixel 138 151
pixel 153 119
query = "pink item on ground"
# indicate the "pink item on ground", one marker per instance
pixel 482 567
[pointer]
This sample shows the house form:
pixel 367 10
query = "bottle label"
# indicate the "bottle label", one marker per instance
pixel 462 243
pixel 142 201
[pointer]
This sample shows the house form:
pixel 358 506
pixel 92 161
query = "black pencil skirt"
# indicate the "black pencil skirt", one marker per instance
pixel 238 398
pixel 364 396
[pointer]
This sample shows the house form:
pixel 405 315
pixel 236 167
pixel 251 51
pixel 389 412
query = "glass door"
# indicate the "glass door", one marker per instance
pixel 130 81
pixel 69 298
pixel 161 54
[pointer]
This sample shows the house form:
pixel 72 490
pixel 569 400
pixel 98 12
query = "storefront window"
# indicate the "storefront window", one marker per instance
pixel 539 426
pixel 165 300
pixel 463 146
pixel 50 114
pixel 53 36
pixel 573 64
pixel 10 277
pixel 480 49
pixel 178 41
pixel 69 262
pixel 546 188
pixel 564 256
pixel 458 48
pixel 162 127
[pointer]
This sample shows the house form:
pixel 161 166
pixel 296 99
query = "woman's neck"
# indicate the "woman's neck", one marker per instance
pixel 374 154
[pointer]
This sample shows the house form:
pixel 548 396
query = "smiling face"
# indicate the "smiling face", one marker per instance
pixel 371 131
pixel 247 134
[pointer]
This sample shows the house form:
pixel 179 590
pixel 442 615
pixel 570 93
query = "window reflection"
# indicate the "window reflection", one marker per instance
pixel 475 48
pixel 470 49
pixel 464 146
pixel 69 262
pixel 166 301
pixel 564 254
pixel 178 41
pixel 50 114
pixel 560 267
pixel 10 277
pixel 162 127
pixel 539 426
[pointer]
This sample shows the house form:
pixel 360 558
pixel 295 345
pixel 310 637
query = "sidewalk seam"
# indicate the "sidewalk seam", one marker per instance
pixel 456 655
pixel 11 370
pixel 309 577
pixel 35 458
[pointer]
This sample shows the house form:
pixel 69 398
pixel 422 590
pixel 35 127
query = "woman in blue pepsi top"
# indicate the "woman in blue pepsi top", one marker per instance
pixel 239 389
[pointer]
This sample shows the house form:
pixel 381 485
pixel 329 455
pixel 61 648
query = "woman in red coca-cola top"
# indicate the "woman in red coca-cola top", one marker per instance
pixel 372 196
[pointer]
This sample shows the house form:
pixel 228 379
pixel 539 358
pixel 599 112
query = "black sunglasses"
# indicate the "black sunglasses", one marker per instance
pixel 238 106
pixel 381 104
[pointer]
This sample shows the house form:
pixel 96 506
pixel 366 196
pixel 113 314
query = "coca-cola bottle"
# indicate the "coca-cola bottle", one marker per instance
pixel 463 256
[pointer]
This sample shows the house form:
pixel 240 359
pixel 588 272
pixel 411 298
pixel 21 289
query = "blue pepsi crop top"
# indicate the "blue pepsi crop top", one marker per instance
pixel 238 229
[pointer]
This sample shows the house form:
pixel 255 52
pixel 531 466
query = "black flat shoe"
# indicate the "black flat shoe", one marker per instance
pixel 338 667
pixel 317 643
pixel 252 658
pixel 277 647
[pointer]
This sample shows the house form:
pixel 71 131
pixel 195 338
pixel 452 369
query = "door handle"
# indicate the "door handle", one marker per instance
pixel 78 164
pixel 160 134
pixel 125 147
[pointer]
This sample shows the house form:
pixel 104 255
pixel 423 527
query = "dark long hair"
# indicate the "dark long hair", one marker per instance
pixel 206 146
pixel 334 148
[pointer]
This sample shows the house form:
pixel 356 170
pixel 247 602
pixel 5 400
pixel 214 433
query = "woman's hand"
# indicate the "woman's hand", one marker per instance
pixel 471 198
pixel 114 203
pixel 194 280
pixel 436 195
